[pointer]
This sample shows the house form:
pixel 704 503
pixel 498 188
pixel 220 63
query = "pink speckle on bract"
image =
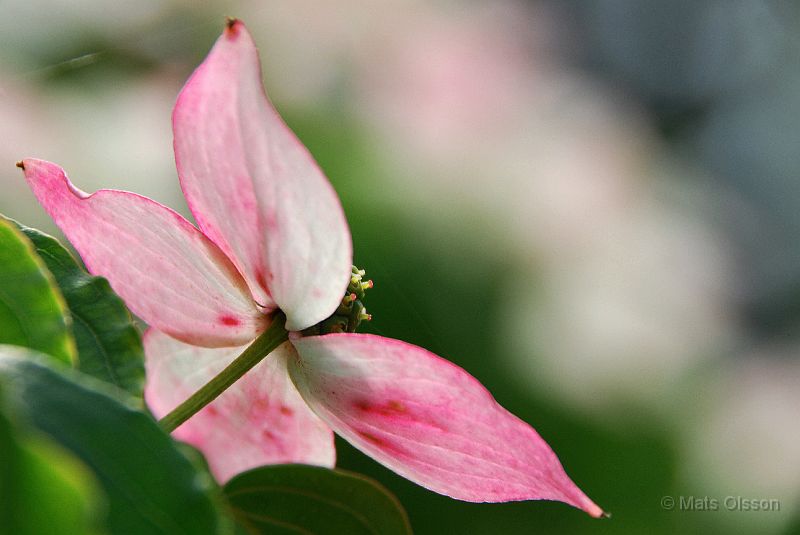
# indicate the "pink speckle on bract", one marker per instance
pixel 229 321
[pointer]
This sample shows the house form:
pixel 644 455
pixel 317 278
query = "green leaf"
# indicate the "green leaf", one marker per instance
pixel 151 487
pixel 57 490
pixel 44 488
pixel 310 499
pixel 32 312
pixel 109 345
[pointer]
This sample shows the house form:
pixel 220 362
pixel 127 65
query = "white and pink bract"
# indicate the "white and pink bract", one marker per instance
pixel 272 235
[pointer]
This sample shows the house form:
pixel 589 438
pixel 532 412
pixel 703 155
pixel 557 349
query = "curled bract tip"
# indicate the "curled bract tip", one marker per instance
pixel 231 25
pixel 21 165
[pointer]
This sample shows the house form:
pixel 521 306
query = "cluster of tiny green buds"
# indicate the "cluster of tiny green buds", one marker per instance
pixel 351 311
pixel 358 286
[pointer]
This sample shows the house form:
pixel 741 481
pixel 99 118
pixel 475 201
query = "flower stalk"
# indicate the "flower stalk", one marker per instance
pixel 262 346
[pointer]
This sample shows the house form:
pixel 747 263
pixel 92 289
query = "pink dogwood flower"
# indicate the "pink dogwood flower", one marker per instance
pixel 273 237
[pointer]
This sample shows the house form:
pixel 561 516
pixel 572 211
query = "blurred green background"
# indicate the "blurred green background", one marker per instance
pixel 593 207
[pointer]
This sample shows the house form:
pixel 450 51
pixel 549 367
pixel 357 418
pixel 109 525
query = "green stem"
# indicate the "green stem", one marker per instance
pixel 262 346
